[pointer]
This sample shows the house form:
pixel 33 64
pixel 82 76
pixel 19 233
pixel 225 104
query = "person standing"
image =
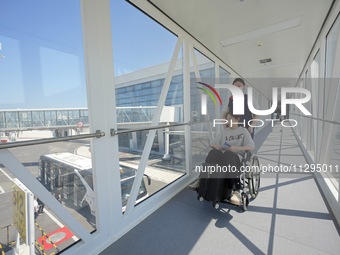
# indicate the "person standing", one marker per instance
pixel 35 207
pixel 248 115
pixel 41 206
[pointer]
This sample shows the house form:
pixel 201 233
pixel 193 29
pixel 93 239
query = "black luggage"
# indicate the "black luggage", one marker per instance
pixel 212 185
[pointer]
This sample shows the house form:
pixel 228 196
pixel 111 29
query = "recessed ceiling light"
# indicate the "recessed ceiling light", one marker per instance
pixel 266 67
pixel 265 61
pixel 291 23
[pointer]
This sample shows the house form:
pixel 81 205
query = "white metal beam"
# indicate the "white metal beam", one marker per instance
pixel 151 135
pixel 102 113
pixel 187 104
pixel 194 62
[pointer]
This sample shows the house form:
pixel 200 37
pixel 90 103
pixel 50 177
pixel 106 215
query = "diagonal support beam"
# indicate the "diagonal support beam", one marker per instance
pixel 13 165
pixel 151 135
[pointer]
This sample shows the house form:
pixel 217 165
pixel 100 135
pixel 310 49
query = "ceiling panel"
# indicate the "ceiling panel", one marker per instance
pixel 213 21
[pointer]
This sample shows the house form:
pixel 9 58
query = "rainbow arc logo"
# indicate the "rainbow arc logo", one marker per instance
pixel 213 94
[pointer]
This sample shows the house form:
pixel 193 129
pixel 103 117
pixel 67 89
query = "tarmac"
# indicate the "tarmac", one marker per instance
pixel 162 175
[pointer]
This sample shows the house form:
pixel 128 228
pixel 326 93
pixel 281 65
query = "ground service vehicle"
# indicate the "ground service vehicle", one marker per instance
pixel 69 178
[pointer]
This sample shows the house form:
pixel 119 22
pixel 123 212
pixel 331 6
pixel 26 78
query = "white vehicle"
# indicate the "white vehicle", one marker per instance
pixel 69 178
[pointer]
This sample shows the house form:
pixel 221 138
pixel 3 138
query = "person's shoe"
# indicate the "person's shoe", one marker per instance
pixel 235 198
pixel 195 185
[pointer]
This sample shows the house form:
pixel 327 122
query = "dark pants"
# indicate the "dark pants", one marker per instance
pixel 230 160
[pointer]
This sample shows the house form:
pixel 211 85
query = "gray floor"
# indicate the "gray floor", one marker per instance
pixel 289 216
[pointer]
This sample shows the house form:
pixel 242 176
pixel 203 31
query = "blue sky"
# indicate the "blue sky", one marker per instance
pixel 44 60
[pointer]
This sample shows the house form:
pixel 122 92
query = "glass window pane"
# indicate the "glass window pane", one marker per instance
pixel 142 52
pixel 138 41
pixel 206 69
pixel 332 45
pixel 65 171
pixel 43 64
pixel 43 73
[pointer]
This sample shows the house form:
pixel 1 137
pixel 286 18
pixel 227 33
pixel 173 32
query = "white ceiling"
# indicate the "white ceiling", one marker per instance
pixel 212 21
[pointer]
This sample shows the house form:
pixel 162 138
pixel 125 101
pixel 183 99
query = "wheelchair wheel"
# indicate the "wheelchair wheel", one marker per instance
pixel 254 185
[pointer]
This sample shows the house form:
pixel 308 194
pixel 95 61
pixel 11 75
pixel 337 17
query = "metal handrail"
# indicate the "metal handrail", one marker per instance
pixel 40 128
pixel 114 132
pixel 97 134
pixel 7 234
pixel 313 118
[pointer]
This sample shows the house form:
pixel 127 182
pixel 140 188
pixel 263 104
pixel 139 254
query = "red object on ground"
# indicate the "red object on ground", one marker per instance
pixel 58 236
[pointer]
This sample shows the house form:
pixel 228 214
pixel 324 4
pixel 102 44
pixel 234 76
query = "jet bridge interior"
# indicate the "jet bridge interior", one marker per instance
pixel 133 70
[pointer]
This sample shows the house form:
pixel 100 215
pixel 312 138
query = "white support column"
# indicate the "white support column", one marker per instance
pixel 187 104
pixel 161 145
pixel 102 114
pixel 321 88
pixel 217 76
pixel 30 221
pixel 134 140
pixel 166 144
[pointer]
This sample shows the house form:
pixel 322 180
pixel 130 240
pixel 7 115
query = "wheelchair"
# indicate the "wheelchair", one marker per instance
pixel 250 174
pixel 250 178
